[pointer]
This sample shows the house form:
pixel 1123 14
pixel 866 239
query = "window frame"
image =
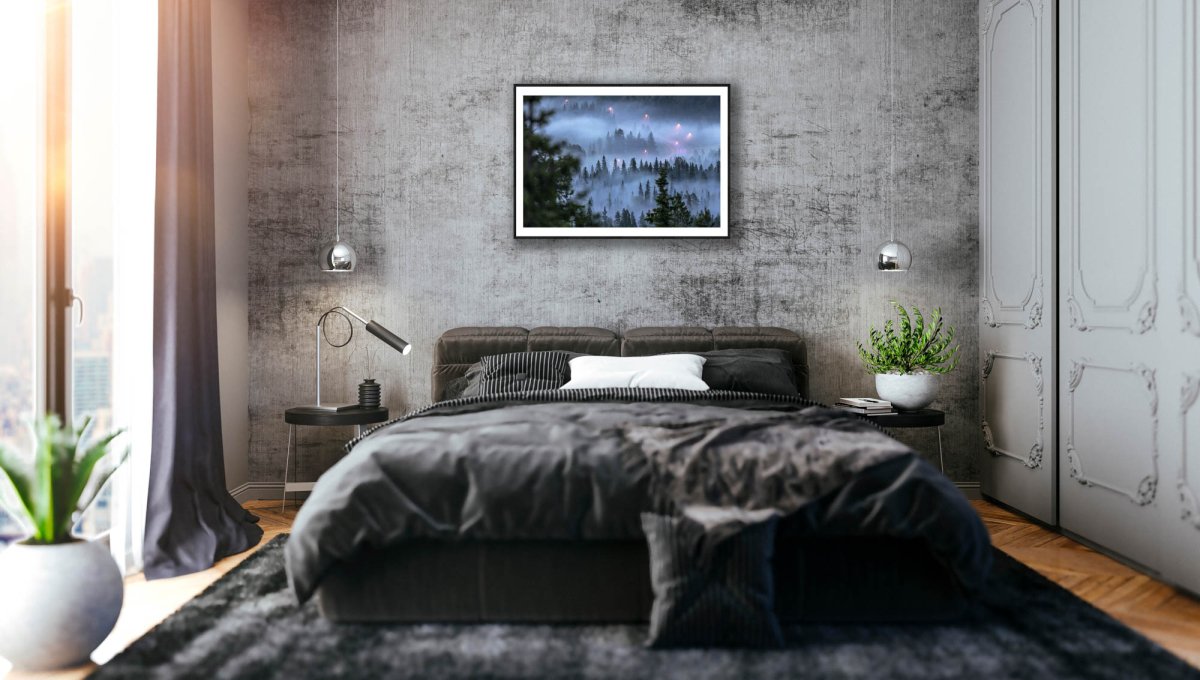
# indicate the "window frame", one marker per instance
pixel 53 384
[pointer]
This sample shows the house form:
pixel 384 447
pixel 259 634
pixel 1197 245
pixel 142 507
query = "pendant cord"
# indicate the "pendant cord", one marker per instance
pixel 337 115
pixel 892 117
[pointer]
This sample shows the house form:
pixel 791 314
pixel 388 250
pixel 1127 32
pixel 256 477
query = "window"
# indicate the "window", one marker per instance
pixel 77 138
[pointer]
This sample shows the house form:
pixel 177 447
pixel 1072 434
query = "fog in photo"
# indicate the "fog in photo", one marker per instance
pixel 632 161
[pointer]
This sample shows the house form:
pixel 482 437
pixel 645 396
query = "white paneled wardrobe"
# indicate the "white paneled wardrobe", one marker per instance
pixel 1090 272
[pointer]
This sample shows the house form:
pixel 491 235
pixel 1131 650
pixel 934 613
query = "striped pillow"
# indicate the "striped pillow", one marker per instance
pixel 523 372
pixel 721 598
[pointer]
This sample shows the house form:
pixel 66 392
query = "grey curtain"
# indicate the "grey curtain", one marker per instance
pixel 191 520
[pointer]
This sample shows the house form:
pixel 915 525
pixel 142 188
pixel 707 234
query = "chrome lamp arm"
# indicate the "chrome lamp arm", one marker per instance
pixel 389 338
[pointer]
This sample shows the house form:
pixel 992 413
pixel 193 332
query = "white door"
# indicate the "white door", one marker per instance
pixel 1179 253
pixel 1129 351
pixel 1017 253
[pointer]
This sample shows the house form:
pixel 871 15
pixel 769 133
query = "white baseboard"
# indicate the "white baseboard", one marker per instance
pixel 262 491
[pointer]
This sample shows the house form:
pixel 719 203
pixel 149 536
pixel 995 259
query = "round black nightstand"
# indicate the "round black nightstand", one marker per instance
pixel 926 417
pixel 311 416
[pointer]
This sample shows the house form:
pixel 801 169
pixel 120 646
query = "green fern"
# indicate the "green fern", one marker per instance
pixel 62 481
pixel 917 345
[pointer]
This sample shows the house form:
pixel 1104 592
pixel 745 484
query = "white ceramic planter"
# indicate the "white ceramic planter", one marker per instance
pixel 59 602
pixel 907 391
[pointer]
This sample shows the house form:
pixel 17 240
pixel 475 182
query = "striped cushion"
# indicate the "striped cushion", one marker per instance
pixel 522 372
pixel 719 598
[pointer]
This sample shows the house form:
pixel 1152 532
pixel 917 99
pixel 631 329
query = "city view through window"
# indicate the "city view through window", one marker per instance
pixel 91 244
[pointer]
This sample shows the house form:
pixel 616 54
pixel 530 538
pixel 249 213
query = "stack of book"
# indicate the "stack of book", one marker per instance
pixel 867 406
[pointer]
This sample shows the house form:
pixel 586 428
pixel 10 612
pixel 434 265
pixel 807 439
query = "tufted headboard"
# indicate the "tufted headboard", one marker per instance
pixel 458 348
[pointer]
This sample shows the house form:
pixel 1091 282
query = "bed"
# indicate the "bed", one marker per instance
pixel 414 526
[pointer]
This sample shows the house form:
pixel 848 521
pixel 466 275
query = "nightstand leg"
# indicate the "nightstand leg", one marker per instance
pixel 941 460
pixel 286 459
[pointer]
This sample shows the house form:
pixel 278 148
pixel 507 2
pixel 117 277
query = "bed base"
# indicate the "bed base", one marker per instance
pixel 838 579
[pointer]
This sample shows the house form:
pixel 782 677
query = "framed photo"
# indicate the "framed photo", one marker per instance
pixel 621 161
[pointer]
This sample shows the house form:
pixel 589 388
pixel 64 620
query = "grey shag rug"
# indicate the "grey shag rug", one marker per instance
pixel 247 625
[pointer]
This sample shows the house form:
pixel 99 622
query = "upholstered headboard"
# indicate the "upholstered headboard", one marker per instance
pixel 458 348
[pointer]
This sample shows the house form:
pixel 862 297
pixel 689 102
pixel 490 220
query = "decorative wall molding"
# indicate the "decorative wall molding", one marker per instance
pixel 1189 284
pixel 1032 310
pixel 1188 392
pixel 1147 486
pixel 1138 313
pixel 1189 314
pixel 1027 312
pixel 985 20
pixel 1033 460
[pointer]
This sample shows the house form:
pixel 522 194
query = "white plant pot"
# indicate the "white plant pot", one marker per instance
pixel 59 602
pixel 907 391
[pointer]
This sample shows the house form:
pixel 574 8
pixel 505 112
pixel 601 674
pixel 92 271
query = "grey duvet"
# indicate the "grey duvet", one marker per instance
pixel 583 464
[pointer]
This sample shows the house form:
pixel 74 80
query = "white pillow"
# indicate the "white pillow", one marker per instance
pixel 677 371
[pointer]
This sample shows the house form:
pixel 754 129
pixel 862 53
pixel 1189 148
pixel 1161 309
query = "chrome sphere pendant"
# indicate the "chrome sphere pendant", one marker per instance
pixel 894 256
pixel 338 257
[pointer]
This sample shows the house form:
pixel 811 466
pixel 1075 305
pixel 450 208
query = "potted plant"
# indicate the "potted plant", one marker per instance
pixel 61 595
pixel 907 360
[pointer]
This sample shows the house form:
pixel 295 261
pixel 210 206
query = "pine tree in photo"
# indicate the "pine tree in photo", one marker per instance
pixel 660 216
pixel 705 219
pixel 680 216
pixel 548 190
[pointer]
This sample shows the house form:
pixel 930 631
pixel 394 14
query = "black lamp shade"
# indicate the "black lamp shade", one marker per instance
pixel 394 341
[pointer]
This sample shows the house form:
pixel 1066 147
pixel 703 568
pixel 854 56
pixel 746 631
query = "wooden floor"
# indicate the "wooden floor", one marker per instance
pixel 1169 617
pixel 1164 614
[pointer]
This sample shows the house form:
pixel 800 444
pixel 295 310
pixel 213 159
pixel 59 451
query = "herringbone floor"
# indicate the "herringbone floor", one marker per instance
pixel 1166 615
pixel 1162 613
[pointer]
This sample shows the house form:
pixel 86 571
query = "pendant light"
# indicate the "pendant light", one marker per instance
pixel 338 256
pixel 892 256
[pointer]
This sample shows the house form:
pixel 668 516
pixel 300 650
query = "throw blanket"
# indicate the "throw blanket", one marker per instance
pixel 583 464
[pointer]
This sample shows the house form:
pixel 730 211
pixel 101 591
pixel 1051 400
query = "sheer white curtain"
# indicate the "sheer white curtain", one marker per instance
pixel 134 26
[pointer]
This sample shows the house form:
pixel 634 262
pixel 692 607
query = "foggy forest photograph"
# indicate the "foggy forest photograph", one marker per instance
pixel 621 161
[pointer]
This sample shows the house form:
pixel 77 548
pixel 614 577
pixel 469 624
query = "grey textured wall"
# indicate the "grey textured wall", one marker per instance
pixel 426 184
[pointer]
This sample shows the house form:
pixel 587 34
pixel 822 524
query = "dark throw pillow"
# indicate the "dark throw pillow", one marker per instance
pixel 521 372
pixel 465 385
pixel 768 371
pixel 711 595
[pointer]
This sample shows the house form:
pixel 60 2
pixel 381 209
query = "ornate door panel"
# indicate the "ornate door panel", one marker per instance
pixel 1180 257
pixel 1129 342
pixel 1017 254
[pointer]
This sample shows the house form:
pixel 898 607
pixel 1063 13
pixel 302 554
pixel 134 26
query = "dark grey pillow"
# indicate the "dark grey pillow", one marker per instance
pixel 521 372
pixel 769 371
pixel 465 385
pixel 711 595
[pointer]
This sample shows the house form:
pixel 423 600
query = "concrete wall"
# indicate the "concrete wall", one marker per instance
pixel 427 182
pixel 231 130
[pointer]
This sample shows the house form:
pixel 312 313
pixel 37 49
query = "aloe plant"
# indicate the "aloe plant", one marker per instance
pixel 63 479
pixel 914 345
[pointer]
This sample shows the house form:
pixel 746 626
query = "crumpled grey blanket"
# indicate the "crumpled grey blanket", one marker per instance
pixel 583 464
